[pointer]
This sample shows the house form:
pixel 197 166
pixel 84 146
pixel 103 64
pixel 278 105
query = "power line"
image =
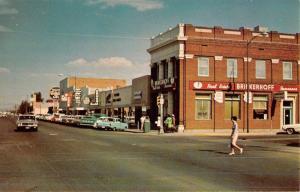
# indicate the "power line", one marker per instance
pixel 85 35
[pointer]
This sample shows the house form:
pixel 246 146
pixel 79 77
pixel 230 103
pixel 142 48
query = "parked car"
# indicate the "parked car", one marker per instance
pixel 57 117
pixel 116 124
pixel 291 129
pixel 103 123
pixel 67 119
pixel 47 117
pixel 90 120
pixel 27 122
pixel 75 120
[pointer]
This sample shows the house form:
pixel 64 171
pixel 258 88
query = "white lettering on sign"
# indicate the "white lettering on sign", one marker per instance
pixel 255 87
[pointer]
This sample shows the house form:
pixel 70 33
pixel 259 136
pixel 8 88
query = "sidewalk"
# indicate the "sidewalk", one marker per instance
pixel 209 132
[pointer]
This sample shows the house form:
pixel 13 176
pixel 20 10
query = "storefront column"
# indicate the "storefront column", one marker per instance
pixel 170 102
pixel 160 71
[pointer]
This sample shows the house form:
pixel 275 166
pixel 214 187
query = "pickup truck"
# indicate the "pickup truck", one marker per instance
pixel 291 128
pixel 27 122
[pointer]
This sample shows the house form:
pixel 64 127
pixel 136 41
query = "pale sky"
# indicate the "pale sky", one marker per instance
pixel 40 39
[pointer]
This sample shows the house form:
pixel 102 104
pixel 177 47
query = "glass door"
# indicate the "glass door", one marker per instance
pixel 287 112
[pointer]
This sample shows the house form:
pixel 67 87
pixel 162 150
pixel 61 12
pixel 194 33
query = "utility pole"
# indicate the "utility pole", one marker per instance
pixel 160 119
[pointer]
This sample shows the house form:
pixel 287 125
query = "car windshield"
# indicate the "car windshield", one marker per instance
pixel 27 117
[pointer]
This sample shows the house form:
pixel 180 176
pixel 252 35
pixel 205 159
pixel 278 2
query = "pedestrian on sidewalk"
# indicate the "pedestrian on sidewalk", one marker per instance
pixel 234 136
pixel 142 119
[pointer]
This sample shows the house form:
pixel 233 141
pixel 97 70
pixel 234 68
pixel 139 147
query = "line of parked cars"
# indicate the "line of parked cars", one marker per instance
pixel 97 121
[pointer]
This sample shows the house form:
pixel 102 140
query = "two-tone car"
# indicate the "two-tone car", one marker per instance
pixel 27 122
pixel 102 123
pixel 90 120
pixel 117 124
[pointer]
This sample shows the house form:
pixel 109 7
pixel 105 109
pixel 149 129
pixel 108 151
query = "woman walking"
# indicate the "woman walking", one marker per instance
pixel 234 136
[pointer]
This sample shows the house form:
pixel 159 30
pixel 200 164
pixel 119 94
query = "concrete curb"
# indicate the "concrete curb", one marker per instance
pixel 227 132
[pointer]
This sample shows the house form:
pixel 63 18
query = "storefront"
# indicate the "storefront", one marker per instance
pixel 266 106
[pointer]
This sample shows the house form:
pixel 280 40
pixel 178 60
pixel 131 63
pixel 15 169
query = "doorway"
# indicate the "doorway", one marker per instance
pixel 287 112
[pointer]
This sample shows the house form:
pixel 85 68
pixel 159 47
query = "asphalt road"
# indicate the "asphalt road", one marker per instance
pixel 60 158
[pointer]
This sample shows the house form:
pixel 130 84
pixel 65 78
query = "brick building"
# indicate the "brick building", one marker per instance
pixel 207 75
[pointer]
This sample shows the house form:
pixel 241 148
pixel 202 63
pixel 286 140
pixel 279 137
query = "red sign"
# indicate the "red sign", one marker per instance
pixel 199 85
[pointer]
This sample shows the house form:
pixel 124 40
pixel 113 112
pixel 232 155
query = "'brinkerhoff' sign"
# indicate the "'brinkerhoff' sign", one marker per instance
pixel 199 85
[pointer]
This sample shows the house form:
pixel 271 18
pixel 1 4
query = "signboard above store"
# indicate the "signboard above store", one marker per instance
pixel 163 84
pixel 54 92
pixel 255 87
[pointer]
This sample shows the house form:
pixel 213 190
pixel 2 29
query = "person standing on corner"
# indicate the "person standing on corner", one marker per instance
pixel 142 119
pixel 174 123
pixel 234 136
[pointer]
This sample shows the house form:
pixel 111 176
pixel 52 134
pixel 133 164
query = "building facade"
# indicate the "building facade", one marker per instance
pixel 207 75
pixel 80 95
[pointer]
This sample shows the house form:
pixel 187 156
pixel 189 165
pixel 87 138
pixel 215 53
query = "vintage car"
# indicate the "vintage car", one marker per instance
pixel 103 123
pixel 90 120
pixel 291 128
pixel 116 124
pixel 27 122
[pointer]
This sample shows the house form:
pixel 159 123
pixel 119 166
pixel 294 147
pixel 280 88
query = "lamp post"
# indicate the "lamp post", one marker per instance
pixel 261 34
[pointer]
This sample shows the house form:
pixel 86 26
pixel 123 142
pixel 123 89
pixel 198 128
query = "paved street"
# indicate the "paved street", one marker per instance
pixel 61 158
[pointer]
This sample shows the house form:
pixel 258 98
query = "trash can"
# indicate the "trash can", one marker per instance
pixel 146 126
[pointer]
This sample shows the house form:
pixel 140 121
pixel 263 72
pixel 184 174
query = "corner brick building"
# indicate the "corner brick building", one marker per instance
pixel 207 75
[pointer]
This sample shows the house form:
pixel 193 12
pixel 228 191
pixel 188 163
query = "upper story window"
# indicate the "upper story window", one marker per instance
pixel 203 66
pixel 260 69
pixel 232 68
pixel 287 70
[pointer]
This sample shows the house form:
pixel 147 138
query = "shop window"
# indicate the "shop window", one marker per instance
pixel 260 107
pixel 232 68
pixel 260 70
pixel 287 70
pixel 203 66
pixel 232 106
pixel 203 106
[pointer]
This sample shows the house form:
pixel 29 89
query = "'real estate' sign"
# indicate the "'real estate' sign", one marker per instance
pixel 199 85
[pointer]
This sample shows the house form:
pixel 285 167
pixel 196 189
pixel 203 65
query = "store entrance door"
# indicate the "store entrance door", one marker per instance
pixel 287 112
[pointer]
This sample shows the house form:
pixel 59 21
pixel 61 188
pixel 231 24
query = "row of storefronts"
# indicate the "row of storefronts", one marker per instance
pixel 113 98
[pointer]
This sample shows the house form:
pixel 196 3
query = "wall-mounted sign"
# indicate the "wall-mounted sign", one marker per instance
pixel 96 102
pixel 54 92
pixel 163 84
pixel 137 95
pixel 63 98
pixel 219 96
pixel 86 101
pixel 77 96
pixel 198 85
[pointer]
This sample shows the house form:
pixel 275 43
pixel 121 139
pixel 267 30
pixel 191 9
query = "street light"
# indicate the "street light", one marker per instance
pixel 261 34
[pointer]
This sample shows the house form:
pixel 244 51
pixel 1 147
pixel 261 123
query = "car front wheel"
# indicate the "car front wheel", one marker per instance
pixel 290 131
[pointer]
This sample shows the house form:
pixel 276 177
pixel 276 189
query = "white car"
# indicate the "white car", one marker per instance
pixel 27 122
pixel 291 129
